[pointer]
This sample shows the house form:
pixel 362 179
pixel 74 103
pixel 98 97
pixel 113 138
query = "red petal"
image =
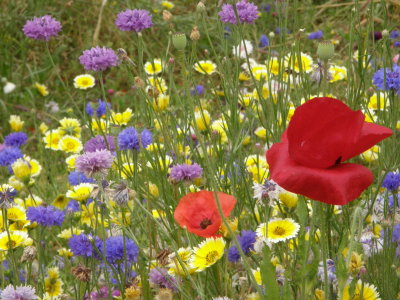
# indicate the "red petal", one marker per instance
pixel 321 131
pixel 337 185
pixel 371 134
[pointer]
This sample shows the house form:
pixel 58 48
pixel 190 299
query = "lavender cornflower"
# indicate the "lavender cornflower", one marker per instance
pixel 82 245
pixel 246 240
pixel 392 181
pixel 197 90
pixel 316 35
pixel 98 59
pixel 395 34
pixel 15 139
pixel 185 172
pixel 160 277
pixel 18 293
pixel 8 155
pixel 91 163
pixel 134 20
pixel 247 12
pixel 45 216
pixel 118 250
pixel 76 178
pixel 100 110
pixel 264 41
pixel 99 143
pixel 330 265
pixel 387 79
pixel 146 138
pixel 129 139
pixel 42 28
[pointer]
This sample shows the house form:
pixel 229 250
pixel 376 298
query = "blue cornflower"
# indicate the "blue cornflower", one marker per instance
pixel 246 240
pixel 197 90
pixel 8 155
pixel 227 32
pixel 45 216
pixel 116 252
pixel 391 181
pixel 146 138
pixel 264 41
pixel 15 139
pixel 73 206
pixel 233 254
pixel 316 35
pixel 395 34
pixel 82 245
pixel 89 109
pixel 330 265
pixel 387 79
pixel 100 110
pixel 396 44
pixel 396 233
pixel 128 139
pixel 266 7
pixel 76 178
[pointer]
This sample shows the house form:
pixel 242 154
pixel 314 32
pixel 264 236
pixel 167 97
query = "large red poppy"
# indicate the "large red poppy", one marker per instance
pixel 323 133
pixel 198 212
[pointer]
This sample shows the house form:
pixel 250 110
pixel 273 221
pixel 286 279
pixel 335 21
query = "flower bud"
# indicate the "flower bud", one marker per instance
pixel 195 34
pixel 325 50
pixel 200 8
pixel 179 41
pixel 29 254
pixel 167 16
pixel 139 82
pixel 385 33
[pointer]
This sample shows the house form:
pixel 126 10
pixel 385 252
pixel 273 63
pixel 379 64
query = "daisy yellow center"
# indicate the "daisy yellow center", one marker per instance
pixel 279 230
pixel 84 82
pixel 212 256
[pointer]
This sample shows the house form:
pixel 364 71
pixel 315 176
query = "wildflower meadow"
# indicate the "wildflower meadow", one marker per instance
pixel 215 150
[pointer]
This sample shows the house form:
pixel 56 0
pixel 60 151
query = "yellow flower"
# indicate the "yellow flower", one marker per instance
pixel 43 128
pixel 337 73
pixel 243 76
pixel 278 230
pixel 70 126
pixel 65 252
pixel 233 224
pixel 80 192
pixel 162 163
pixel 153 190
pixel 219 127
pixel 371 154
pixel 304 65
pixel 84 82
pixel 319 294
pixel 70 144
pixel 378 101
pixel 288 199
pixel 161 102
pixel 132 293
pixel 158 83
pixel 16 213
pixel 42 89
pixel 68 233
pixel 178 266
pixel 12 239
pixel 99 125
pixel 29 201
pixel 88 215
pixel 22 170
pixel 53 283
pixel 15 183
pixel 70 161
pixel 121 118
pixel 205 67
pixel 207 253
pixel 167 4
pixel 52 138
pixel 356 263
pixel 260 72
pixel 154 67
pixel 128 170
pixel 253 296
pixel 61 202
pixel 261 132
pixel 257 276
pixel 369 292
pixel 274 65
pixel 16 123
pixel 264 93
pixel 202 119
pixel 36 168
pixel 158 214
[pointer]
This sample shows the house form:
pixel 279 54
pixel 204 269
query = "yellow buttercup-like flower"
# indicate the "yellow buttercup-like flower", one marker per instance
pixel 22 170
pixel 29 201
pixel 12 239
pixel 70 161
pixel 181 266
pixel 153 67
pixel 161 102
pixel 369 292
pixel 121 118
pixel 70 144
pixel 261 132
pixel 207 253
pixel 219 127
pixel 61 202
pixel 304 63
pixel 16 123
pixel 69 232
pixel 80 192
pixel 42 89
pixel 378 101
pixel 43 128
pixel 205 67
pixel 52 138
pixel 65 252
pixel 288 199
pixel 99 125
pixel 70 126
pixel 257 276
pixel 84 82
pixel 278 230
pixel 274 65
pixel 371 154
pixel 202 119
pixel 16 213
pixel 53 283
pixel 337 73
pixel 158 83
pixel 167 4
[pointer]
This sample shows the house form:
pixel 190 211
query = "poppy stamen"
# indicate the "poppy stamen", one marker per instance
pixel 205 223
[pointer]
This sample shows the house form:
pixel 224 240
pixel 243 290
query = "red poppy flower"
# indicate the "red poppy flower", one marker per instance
pixel 323 133
pixel 198 212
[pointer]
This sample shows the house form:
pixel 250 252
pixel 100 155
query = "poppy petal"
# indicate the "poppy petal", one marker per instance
pixel 337 185
pixel 321 131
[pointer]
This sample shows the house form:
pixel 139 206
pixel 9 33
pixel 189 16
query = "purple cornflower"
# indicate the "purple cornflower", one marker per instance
pixel 316 35
pixel 102 294
pixel 76 178
pixel 72 206
pixel 391 181
pixel 42 28
pixel 116 252
pixel 246 240
pixel 8 155
pixel 197 90
pixel 396 44
pixel 330 265
pixel 387 79
pixel 45 216
pixel 100 110
pixel 395 34
pixel 247 12
pixel 185 172
pixel 134 20
pixel 99 143
pixel 264 41
pixel 82 245
pixel 129 139
pixel 160 277
pixel 98 59
pixel 21 292
pixel 15 139
pixel 91 163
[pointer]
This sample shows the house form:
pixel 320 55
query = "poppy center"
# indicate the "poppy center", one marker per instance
pixel 211 256
pixel 205 223
pixel 279 230
pixel 338 160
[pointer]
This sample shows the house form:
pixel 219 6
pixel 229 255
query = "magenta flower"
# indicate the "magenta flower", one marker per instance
pixel 18 293
pixel 247 12
pixel 95 162
pixel 134 20
pixel 98 59
pixel 42 28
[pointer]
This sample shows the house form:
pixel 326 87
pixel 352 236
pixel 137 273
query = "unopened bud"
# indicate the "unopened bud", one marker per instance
pixel 385 33
pixel 271 34
pixel 179 41
pixel 167 16
pixel 29 254
pixel 200 8
pixel 139 82
pixel 325 50
pixel 195 34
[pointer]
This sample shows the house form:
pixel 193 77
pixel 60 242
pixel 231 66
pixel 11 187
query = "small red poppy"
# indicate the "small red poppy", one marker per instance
pixel 198 212
pixel 323 133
